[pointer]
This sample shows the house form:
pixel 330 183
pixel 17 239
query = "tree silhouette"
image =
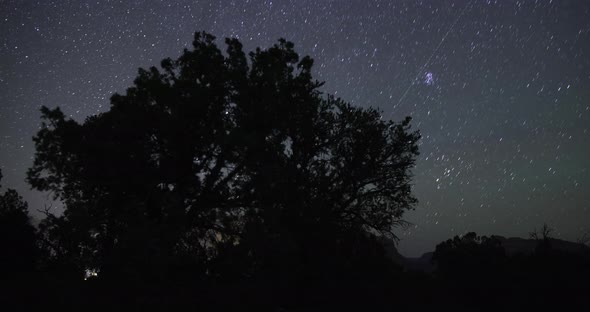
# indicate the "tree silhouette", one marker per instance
pixel 222 159
pixel 544 233
pixel 19 253
pixel 543 237
pixel 469 257
pixel 584 239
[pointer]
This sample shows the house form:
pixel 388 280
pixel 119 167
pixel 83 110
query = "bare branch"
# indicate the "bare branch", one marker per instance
pixel 46 210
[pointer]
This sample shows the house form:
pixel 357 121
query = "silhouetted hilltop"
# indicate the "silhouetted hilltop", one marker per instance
pixel 512 246
pixel 517 245
pixel 391 250
pixel 422 263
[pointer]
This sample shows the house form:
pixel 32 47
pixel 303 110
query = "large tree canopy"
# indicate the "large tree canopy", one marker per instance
pixel 218 149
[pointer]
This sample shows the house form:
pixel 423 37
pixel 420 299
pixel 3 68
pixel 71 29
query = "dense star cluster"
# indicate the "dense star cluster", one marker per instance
pixel 500 90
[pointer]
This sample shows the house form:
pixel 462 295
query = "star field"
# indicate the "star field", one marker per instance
pixel 500 90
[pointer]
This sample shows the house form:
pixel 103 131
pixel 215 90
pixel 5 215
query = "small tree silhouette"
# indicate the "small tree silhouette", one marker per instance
pixel 584 239
pixel 18 247
pixel 543 236
pixel 469 257
pixel 544 233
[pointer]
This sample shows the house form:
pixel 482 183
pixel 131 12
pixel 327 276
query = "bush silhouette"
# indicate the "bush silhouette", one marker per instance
pixel 470 258
pixel 18 246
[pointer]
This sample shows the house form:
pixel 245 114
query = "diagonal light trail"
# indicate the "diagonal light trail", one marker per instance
pixel 429 59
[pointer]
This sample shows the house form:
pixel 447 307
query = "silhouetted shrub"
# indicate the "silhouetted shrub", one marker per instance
pixel 18 246
pixel 470 258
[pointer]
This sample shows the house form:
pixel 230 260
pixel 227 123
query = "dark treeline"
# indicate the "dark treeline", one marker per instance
pixel 223 181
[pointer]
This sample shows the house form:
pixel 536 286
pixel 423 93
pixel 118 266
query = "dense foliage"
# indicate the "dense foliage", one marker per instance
pixel 223 163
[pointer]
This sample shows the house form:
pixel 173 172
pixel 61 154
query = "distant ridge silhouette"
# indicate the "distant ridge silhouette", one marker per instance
pixel 512 246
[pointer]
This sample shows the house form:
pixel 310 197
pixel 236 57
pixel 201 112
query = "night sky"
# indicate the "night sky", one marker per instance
pixel 500 90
